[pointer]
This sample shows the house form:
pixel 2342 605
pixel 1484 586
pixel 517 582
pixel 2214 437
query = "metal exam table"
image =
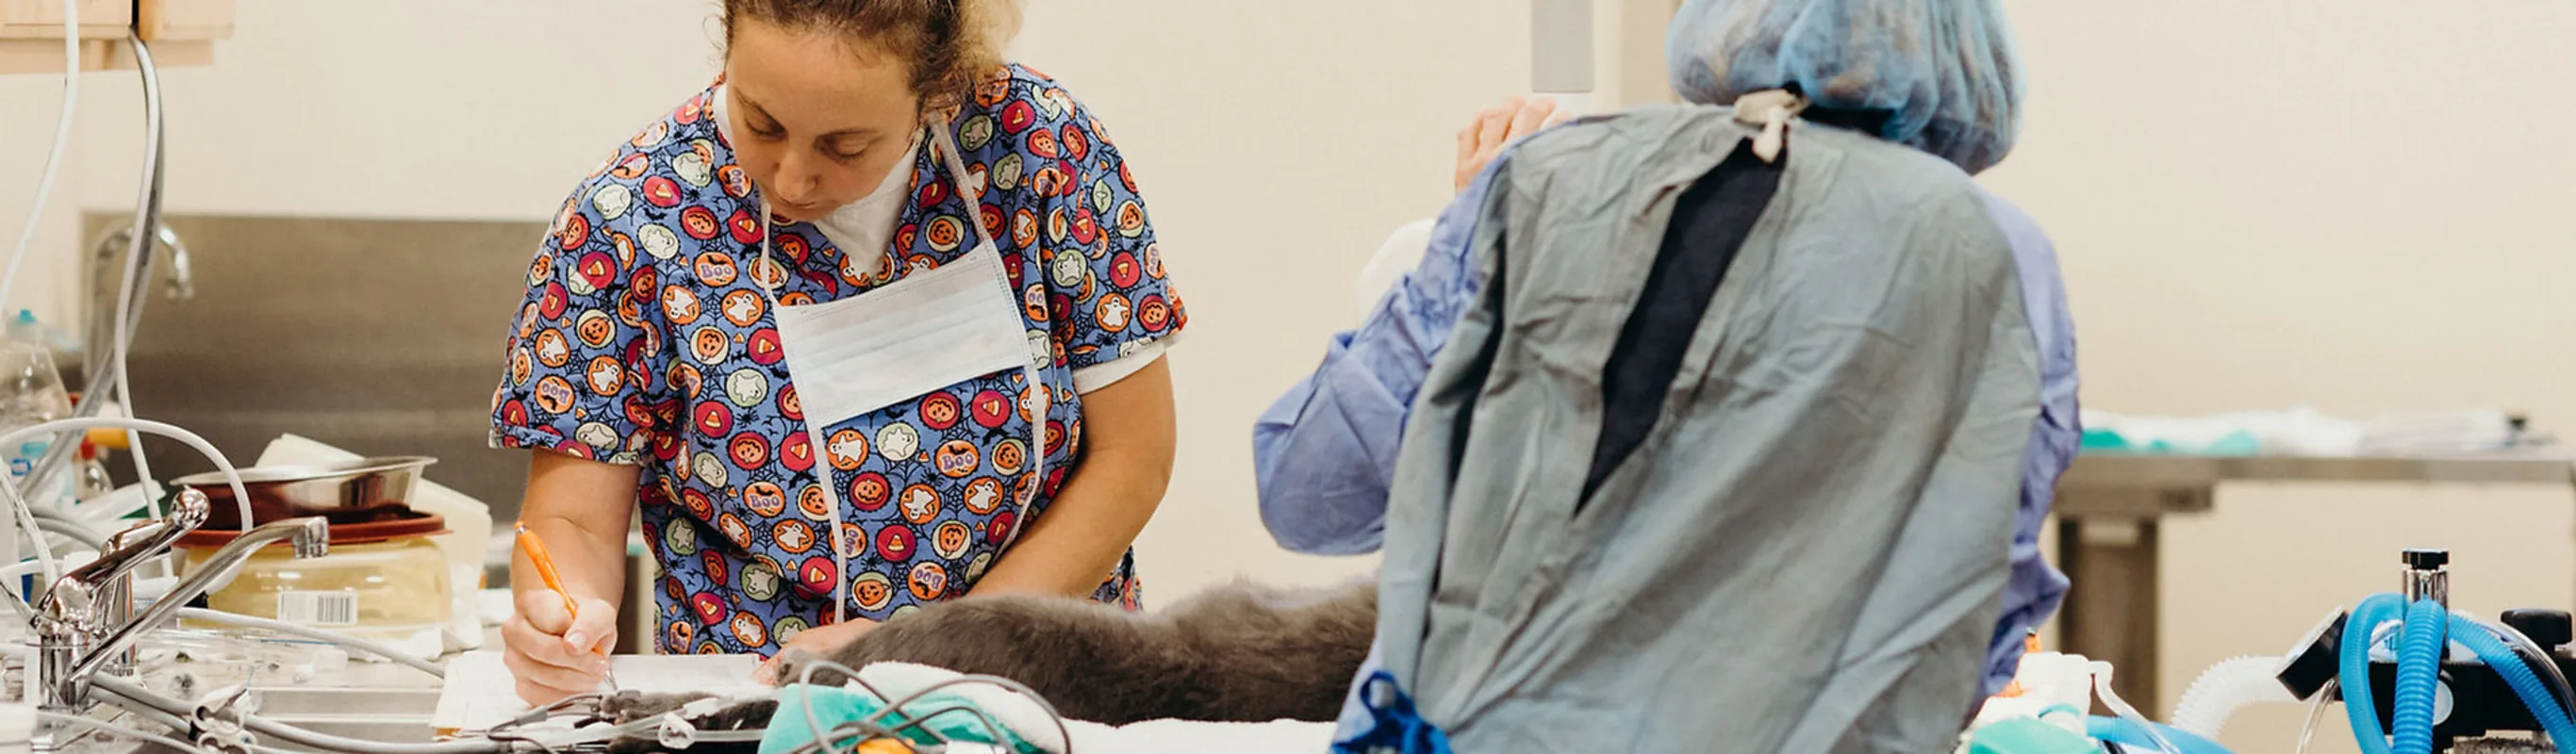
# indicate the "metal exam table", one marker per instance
pixel 2108 505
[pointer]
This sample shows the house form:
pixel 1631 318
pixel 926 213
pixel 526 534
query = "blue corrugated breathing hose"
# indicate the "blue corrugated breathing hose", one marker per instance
pixel 2419 676
pixel 2354 670
pixel 2421 643
pixel 2419 663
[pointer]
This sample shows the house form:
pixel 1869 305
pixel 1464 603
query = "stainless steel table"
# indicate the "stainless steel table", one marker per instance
pixel 2108 506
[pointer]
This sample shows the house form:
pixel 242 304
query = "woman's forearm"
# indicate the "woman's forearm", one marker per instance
pixel 580 509
pixel 1084 532
pixel 1080 538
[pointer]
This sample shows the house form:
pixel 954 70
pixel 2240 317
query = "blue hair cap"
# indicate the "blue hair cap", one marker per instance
pixel 1937 75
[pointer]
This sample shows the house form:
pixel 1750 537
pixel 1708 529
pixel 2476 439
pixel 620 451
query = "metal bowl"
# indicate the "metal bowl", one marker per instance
pixel 320 489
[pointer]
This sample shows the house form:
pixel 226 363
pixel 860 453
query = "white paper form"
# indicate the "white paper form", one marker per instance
pixel 480 693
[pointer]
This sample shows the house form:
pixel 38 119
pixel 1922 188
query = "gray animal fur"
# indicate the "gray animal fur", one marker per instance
pixel 1242 652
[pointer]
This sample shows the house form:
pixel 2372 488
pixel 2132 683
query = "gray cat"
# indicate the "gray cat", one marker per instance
pixel 1241 652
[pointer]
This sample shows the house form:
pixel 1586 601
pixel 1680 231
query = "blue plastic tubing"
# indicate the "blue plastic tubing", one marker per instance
pixel 2534 693
pixel 2421 643
pixel 2418 666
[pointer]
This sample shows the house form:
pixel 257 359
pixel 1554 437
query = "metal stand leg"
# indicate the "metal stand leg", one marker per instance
pixel 2111 609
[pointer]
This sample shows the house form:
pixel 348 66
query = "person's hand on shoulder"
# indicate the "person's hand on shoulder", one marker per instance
pixel 1499 126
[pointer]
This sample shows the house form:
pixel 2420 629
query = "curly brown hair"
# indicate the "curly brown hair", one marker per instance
pixel 951 44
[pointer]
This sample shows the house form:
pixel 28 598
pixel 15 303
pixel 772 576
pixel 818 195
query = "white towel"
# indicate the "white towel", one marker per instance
pixel 1193 736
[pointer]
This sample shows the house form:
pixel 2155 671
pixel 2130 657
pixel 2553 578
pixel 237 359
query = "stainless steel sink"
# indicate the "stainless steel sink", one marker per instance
pixel 363 701
pixel 386 715
pixel 394 716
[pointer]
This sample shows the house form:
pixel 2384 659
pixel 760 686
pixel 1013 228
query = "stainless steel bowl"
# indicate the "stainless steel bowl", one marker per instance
pixel 317 489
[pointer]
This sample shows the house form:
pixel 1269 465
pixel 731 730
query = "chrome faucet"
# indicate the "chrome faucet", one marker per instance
pixel 113 600
pixel 81 626
pixel 105 275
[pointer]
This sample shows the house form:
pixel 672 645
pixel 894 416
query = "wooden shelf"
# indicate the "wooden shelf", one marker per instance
pixel 43 20
pixel 182 33
pixel 163 21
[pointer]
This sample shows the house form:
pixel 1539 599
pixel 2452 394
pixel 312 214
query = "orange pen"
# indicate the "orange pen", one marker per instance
pixel 536 550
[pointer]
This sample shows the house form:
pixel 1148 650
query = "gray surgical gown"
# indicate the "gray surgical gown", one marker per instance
pixel 1806 551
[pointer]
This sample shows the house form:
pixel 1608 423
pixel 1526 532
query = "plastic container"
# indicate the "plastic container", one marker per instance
pixel 25 329
pixel 31 393
pixel 469 524
pixel 382 579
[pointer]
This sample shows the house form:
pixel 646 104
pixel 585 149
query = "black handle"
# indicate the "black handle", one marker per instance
pixel 2547 628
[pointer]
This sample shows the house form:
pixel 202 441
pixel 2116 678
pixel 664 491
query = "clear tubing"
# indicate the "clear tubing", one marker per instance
pixel 2316 711
pixel 2102 687
pixel 2535 694
pixel 2533 654
pixel 344 640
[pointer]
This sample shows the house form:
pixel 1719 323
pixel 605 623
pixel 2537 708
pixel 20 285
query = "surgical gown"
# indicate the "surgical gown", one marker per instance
pixel 1804 546
pixel 1325 452
pixel 1330 446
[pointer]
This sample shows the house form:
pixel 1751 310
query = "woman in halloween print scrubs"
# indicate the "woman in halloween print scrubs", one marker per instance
pixel 932 366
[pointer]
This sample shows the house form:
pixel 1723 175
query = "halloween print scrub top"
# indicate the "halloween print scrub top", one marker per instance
pixel 645 340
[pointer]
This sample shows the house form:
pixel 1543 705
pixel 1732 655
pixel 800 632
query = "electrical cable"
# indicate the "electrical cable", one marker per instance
pixel 53 166
pixel 62 141
pixel 72 530
pixel 894 706
pixel 104 361
pixel 163 719
pixel 135 692
pixel 10 495
pixel 107 727
pixel 147 221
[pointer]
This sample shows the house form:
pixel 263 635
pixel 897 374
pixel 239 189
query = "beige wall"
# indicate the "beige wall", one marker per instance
pixel 2357 205
pixel 1277 143
pixel 2354 204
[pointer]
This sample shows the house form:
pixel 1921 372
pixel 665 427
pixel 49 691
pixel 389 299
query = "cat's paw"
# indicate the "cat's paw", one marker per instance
pixel 791 667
